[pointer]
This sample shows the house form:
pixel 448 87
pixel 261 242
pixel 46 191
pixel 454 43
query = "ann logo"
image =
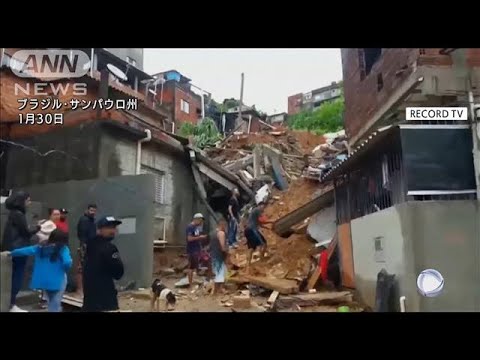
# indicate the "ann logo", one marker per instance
pixel 51 64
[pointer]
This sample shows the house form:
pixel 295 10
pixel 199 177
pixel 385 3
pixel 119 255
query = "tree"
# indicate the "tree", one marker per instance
pixel 204 134
pixel 326 119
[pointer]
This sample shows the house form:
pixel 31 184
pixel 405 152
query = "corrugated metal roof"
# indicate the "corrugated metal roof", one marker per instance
pixel 358 151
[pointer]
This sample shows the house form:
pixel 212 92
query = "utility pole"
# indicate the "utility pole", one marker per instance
pixel 241 100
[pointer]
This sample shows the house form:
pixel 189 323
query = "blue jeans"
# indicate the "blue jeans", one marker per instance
pixel 18 271
pixel 54 298
pixel 232 231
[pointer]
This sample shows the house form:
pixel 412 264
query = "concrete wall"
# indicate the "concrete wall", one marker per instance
pixel 443 235
pixel 118 157
pixel 134 53
pixel 122 197
pixel 386 226
pixel 77 157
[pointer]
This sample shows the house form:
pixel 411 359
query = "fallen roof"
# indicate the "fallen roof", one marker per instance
pixel 219 170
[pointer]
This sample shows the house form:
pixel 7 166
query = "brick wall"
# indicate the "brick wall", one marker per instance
pixel 195 107
pixel 295 104
pixel 363 97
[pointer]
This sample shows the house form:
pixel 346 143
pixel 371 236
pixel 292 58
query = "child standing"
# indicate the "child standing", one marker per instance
pixel 52 262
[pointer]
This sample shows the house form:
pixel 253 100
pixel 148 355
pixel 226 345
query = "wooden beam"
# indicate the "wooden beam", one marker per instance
pixel 257 158
pixel 273 297
pixel 283 286
pixel 322 298
pixel 278 174
pixel 268 125
pixel 216 177
pixel 283 225
pixel 198 180
pixel 240 164
pixel 272 152
pixel 246 177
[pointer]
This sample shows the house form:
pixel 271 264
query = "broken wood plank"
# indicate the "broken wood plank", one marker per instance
pixel 198 180
pixel 216 176
pixel 272 152
pixel 250 170
pixel 267 125
pixel 283 286
pixel 257 153
pixel 246 177
pixel 300 229
pixel 322 298
pixel 283 225
pixel 286 173
pixel 312 282
pixel 273 297
pixel 280 180
pixel 266 162
pixel 72 301
pixel 203 193
pixel 240 164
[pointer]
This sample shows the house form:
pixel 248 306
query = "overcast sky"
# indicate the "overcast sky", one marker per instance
pixel 271 75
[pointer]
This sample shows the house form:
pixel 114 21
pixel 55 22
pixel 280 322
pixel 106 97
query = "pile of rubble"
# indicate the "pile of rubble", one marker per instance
pixel 289 258
pixel 282 168
pixel 326 155
pixel 255 156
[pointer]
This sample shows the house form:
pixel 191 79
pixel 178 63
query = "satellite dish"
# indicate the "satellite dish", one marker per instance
pixel 115 71
pixel 430 283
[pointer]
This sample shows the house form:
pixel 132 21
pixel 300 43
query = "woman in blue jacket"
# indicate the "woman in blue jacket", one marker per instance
pixel 52 262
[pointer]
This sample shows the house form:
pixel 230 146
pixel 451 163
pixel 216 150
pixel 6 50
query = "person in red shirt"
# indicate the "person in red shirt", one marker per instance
pixel 323 263
pixel 62 223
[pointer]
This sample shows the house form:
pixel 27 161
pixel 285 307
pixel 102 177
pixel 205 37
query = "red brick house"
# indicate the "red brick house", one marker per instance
pixel 377 79
pixel 176 94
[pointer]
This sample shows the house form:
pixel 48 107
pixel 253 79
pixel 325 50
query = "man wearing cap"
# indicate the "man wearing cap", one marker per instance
pixel 102 265
pixel 194 244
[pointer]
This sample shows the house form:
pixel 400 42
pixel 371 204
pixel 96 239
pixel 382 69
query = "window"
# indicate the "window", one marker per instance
pixel 184 106
pixel 128 226
pixel 131 61
pixel 159 228
pixel 159 182
pixel 367 57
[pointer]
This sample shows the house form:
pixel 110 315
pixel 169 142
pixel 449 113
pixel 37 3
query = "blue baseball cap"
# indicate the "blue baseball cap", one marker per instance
pixel 108 221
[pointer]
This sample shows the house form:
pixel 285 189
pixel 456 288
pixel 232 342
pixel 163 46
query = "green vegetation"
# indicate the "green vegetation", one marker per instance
pixel 204 134
pixel 326 119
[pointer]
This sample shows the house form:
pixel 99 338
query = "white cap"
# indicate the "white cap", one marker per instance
pixel 198 216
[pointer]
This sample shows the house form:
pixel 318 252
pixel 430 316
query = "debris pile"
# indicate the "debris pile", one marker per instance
pixel 328 154
pixel 293 162
pixel 274 156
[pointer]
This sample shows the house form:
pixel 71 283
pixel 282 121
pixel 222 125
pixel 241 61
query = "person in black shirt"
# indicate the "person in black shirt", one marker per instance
pixel 86 230
pixel 102 265
pixel 233 218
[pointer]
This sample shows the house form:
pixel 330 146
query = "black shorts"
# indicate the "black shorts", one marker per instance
pixel 193 261
pixel 254 238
